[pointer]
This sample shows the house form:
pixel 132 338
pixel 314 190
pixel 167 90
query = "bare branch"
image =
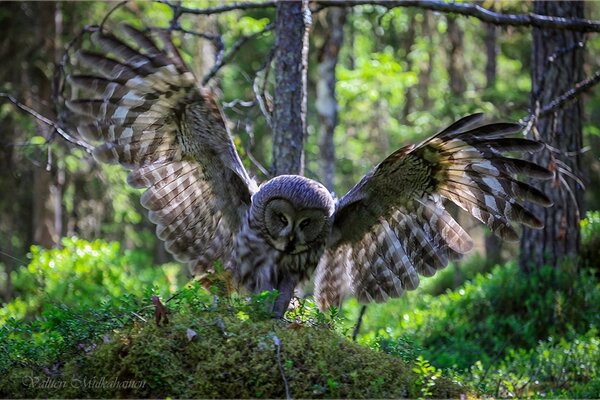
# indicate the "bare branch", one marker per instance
pixel 260 93
pixel 359 320
pixel 475 10
pixel 64 134
pixel 466 9
pixel 219 9
pixel 571 94
pixel 215 40
pixel 229 56
pixel 107 16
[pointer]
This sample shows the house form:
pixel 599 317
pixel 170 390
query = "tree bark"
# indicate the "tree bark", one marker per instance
pixel 409 41
pixel 456 68
pixel 491 50
pixel 289 116
pixel 47 188
pixel 493 244
pixel 427 30
pixel 561 131
pixel 326 104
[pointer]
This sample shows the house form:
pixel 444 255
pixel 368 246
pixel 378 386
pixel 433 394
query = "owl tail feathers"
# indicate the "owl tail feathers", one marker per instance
pixel 470 170
pixel 130 98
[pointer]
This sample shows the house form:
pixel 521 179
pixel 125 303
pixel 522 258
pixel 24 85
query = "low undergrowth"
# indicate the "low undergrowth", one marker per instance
pixel 223 347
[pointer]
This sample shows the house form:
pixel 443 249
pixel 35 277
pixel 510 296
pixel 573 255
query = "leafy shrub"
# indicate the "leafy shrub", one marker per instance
pixel 554 368
pixel 66 298
pixel 455 275
pixel 85 275
pixel 212 347
pixel 483 319
pixel 590 240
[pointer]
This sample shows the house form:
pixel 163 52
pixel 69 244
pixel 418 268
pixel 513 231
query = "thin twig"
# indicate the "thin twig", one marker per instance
pixel 24 262
pixel 466 9
pixel 107 16
pixel 64 134
pixel 216 40
pixel 220 9
pixel 479 12
pixel 238 102
pixel 561 52
pixel 138 316
pixel 356 330
pixel 285 381
pixel 229 56
pixel 260 94
pixel 570 94
pixel 248 149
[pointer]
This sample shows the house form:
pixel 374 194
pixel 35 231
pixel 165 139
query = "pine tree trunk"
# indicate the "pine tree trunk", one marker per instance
pixel 456 68
pixel 289 116
pixel 563 132
pixel 491 50
pixel 493 244
pixel 427 30
pixel 326 104
pixel 47 188
pixel 409 41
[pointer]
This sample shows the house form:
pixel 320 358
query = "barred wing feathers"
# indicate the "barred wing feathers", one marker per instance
pixel 393 227
pixel 142 107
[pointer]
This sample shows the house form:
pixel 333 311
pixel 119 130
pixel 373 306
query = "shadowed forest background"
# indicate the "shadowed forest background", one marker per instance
pixel 80 262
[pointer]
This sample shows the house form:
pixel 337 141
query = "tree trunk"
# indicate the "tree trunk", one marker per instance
pixel 493 244
pixel 289 116
pixel 427 30
pixel 47 189
pixel 561 131
pixel 491 50
pixel 408 44
pixel 326 104
pixel 456 70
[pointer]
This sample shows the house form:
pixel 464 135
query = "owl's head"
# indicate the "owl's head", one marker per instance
pixel 293 213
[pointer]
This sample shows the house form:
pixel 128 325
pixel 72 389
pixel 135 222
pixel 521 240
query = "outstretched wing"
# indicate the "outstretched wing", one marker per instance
pixel 142 107
pixel 392 226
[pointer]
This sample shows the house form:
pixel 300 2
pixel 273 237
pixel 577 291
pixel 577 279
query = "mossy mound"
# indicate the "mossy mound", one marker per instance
pixel 225 354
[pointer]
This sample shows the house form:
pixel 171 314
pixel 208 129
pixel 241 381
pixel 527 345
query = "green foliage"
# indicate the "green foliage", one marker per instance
pixel 84 275
pixel 554 368
pixel 455 275
pixel 66 298
pixel 491 314
pixel 590 239
pixel 212 347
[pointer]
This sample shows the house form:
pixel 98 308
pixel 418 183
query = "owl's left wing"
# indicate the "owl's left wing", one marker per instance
pixel 141 107
pixel 392 226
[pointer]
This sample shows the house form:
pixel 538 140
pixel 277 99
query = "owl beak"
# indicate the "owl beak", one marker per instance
pixel 290 245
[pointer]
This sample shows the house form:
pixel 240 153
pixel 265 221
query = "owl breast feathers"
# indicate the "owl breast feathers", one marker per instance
pixel 141 107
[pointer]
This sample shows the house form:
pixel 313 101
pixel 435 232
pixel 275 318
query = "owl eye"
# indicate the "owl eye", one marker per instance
pixel 282 218
pixel 304 223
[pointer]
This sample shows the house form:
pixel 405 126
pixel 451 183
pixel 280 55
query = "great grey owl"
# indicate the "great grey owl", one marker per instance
pixel 143 108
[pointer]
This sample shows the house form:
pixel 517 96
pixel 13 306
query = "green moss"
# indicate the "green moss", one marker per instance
pixel 230 357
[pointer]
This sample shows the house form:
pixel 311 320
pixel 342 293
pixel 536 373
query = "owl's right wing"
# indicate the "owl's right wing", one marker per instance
pixel 142 108
pixel 393 226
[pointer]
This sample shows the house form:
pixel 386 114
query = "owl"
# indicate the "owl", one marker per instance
pixel 140 106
